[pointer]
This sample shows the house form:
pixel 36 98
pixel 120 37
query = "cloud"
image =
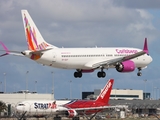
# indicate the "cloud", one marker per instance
pixel 64 22
pixel 140 4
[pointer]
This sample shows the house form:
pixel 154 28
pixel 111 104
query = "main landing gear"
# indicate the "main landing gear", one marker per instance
pixel 78 74
pixel 139 72
pixel 101 74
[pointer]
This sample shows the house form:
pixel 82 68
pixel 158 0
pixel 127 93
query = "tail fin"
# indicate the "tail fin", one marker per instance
pixel 105 93
pixel 34 38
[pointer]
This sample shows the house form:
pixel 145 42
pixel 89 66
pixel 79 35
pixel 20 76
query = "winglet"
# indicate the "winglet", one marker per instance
pixel 5 48
pixel 145 48
pixel 105 93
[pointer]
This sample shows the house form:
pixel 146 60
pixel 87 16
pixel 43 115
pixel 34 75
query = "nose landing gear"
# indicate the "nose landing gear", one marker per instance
pixel 139 72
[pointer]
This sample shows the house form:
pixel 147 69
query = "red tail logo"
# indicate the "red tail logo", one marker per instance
pixel 105 94
pixel 105 90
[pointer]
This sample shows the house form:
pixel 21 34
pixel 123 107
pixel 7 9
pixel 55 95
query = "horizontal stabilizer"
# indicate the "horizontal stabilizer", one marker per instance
pixel 8 52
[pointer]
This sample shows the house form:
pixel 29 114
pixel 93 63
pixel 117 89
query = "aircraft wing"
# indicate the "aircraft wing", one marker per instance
pixel 100 108
pixel 94 108
pixel 81 111
pixel 112 62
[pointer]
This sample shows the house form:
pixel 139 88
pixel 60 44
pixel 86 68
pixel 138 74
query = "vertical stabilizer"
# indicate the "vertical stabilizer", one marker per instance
pixel 34 38
pixel 105 93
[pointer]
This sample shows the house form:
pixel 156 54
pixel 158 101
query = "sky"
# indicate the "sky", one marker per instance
pixel 84 23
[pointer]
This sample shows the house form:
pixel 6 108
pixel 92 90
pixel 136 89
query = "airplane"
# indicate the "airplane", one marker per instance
pixel 83 60
pixel 69 109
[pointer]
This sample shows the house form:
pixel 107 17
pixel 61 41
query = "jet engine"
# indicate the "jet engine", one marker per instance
pixel 71 113
pixel 126 66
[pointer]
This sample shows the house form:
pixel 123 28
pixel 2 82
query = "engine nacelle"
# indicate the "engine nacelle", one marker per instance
pixel 126 66
pixel 71 113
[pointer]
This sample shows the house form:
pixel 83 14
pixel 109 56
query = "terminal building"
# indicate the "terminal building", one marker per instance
pixel 16 97
pixel 121 94
pixel 127 94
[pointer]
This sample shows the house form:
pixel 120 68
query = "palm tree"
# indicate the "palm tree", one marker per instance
pixel 3 107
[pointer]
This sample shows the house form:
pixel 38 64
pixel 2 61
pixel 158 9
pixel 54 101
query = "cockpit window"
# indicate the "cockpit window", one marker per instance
pixel 71 101
pixel 20 104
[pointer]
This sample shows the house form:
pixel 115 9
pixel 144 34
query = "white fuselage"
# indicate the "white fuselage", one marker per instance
pixel 82 58
pixel 41 107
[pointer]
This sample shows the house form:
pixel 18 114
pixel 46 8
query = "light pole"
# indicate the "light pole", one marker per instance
pixel 46 88
pixel 145 88
pixel 14 89
pixel 152 91
pixel 81 91
pixel 4 82
pixel 155 93
pixel 70 89
pixel 1 86
pixel 52 84
pixel 27 80
pixel 35 86
pixel 159 93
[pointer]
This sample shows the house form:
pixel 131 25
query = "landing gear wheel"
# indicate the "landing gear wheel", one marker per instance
pixel 139 74
pixel 77 74
pixel 101 74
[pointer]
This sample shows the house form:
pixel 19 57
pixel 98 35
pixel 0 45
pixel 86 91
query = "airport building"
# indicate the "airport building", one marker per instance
pixel 15 98
pixel 131 101
pixel 127 94
pixel 121 94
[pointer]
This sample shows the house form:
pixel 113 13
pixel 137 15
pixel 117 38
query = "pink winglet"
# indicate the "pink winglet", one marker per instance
pixel 145 48
pixel 5 48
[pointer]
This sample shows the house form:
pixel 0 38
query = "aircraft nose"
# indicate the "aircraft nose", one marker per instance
pixel 18 108
pixel 151 59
